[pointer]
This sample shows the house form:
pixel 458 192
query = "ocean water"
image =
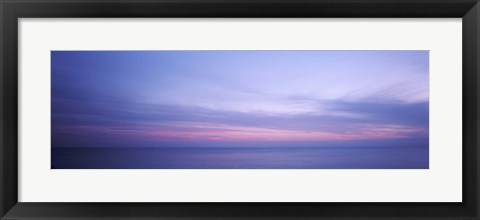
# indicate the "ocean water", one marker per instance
pixel 242 158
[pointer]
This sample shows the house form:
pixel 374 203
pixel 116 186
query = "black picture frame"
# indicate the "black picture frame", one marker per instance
pixel 11 10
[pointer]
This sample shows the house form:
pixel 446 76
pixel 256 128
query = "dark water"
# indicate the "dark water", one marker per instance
pixel 241 158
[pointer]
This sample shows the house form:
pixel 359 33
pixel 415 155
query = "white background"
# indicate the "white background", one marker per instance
pixel 440 183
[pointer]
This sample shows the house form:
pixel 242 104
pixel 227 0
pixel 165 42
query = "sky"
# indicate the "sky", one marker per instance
pixel 239 98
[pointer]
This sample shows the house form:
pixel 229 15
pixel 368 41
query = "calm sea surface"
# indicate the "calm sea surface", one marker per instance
pixel 241 158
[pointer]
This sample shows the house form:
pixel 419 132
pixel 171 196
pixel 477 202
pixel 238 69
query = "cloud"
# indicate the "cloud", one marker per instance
pixel 183 123
pixel 238 96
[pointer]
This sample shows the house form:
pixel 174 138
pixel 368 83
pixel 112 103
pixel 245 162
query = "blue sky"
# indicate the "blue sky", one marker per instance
pixel 200 98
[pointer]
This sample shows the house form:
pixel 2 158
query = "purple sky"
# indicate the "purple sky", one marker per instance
pixel 219 98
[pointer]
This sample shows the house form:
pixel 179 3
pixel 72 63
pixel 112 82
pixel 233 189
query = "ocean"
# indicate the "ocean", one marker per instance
pixel 413 157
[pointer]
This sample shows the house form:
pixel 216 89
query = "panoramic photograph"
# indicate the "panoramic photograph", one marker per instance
pixel 240 109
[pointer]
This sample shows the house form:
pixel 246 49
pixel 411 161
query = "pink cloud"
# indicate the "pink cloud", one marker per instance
pixel 217 132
